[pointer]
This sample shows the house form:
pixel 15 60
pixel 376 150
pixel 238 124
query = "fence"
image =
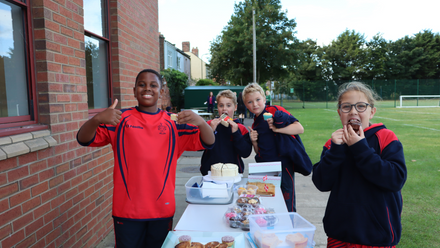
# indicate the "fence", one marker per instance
pixel 323 94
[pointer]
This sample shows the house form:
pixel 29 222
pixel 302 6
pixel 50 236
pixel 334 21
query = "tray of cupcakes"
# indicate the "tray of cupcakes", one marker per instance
pixel 238 216
pixel 183 239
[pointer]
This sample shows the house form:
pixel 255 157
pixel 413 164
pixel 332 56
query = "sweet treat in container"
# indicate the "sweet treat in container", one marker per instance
pixel 228 240
pixel 212 244
pixel 186 244
pixel 265 189
pixel 254 202
pixel 224 120
pixel 245 224
pixel 173 117
pixel 266 240
pixel 296 240
pixel 197 245
pixel 260 210
pixel 267 116
pixel 242 200
pixel 261 221
pixel 224 170
pixel 247 207
pixel 185 238
pixel 271 220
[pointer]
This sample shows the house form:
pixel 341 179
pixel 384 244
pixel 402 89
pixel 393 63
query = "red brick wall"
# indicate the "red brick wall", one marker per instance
pixel 62 196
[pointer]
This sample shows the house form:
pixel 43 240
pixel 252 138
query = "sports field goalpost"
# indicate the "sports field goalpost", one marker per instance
pixel 419 101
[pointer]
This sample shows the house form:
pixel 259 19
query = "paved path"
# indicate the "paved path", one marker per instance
pixel 310 202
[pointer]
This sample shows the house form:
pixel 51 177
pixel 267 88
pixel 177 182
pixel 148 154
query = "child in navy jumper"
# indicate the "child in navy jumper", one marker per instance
pixel 263 137
pixel 230 142
pixel 146 144
pixel 363 167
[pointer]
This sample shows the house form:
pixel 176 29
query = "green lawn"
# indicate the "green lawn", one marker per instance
pixel 419 131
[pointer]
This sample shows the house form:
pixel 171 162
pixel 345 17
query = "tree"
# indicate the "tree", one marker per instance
pixel 203 82
pixel 232 51
pixel 176 82
pixel 376 55
pixel 344 58
pixel 416 57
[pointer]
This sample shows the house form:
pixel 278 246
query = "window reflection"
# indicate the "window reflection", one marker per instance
pixel 13 80
pixel 94 18
pixel 97 74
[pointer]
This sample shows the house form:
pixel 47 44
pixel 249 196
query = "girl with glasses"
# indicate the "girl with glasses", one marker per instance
pixel 363 167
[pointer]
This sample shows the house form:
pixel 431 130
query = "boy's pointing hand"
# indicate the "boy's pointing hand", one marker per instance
pixel 253 134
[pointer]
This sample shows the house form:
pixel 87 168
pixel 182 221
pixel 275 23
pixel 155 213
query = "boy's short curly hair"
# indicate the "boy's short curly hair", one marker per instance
pixel 228 94
pixel 151 71
pixel 251 88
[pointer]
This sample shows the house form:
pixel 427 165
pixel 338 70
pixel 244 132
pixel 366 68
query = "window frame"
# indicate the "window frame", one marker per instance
pixel 92 112
pixel 26 123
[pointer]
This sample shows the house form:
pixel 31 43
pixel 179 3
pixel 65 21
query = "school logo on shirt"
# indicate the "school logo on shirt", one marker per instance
pixel 162 129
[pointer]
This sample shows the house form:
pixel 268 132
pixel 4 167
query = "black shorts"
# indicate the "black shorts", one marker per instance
pixel 141 234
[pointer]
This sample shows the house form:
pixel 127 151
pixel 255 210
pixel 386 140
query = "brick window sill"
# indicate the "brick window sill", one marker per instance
pixel 16 145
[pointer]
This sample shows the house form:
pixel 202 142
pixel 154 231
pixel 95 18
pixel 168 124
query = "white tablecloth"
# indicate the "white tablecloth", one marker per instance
pixel 209 218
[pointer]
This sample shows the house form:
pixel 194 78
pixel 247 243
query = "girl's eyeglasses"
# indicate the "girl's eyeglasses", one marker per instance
pixel 359 106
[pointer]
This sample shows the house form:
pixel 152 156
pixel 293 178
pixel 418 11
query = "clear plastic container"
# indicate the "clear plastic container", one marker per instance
pixel 200 192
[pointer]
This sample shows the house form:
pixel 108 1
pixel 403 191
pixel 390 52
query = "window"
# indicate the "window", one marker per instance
pixel 170 59
pixel 17 106
pixel 97 52
pixel 178 63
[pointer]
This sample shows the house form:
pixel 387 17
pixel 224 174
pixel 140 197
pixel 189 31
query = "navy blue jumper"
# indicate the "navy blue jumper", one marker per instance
pixel 268 150
pixel 365 182
pixel 228 148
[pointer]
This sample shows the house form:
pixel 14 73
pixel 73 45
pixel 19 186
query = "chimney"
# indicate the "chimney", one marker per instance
pixel 185 46
pixel 195 51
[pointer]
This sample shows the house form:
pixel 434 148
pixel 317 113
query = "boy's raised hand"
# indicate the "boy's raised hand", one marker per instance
pixel 214 123
pixel 253 134
pixel 110 116
pixel 234 126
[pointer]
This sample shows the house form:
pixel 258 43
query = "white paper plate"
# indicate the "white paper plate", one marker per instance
pixel 203 237
pixel 222 179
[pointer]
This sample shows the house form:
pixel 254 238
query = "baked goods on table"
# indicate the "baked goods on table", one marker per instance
pixel 296 240
pixel 224 170
pixel 267 240
pixel 267 189
pixel 185 242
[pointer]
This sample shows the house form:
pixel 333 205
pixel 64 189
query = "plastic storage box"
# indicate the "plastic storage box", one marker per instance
pixel 199 191
pixel 281 230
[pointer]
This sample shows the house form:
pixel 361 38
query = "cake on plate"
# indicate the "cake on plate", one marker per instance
pixel 224 170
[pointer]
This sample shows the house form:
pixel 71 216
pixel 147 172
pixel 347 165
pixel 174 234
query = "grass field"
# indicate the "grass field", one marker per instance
pixel 419 131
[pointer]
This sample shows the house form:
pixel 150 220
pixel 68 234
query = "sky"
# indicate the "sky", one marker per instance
pixel 201 21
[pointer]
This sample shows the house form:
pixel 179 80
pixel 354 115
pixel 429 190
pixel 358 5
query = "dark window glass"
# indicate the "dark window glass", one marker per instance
pixel 97 74
pixel 97 54
pixel 14 98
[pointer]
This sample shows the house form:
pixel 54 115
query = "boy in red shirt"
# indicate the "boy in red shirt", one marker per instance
pixel 146 144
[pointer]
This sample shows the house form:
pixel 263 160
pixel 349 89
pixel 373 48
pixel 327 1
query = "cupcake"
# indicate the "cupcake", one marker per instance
pixel 267 116
pixel 185 238
pixel 229 240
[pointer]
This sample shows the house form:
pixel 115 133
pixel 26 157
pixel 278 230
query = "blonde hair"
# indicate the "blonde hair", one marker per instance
pixel 228 94
pixel 371 95
pixel 251 88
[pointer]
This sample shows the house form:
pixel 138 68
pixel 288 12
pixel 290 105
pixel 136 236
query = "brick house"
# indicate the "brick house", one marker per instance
pixel 62 61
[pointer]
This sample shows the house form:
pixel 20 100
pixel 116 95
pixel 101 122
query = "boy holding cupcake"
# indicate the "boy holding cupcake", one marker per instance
pixel 270 139
pixel 230 144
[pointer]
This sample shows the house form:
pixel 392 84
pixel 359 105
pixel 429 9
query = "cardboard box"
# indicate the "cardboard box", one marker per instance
pixel 281 230
pixel 200 192
pixel 267 172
